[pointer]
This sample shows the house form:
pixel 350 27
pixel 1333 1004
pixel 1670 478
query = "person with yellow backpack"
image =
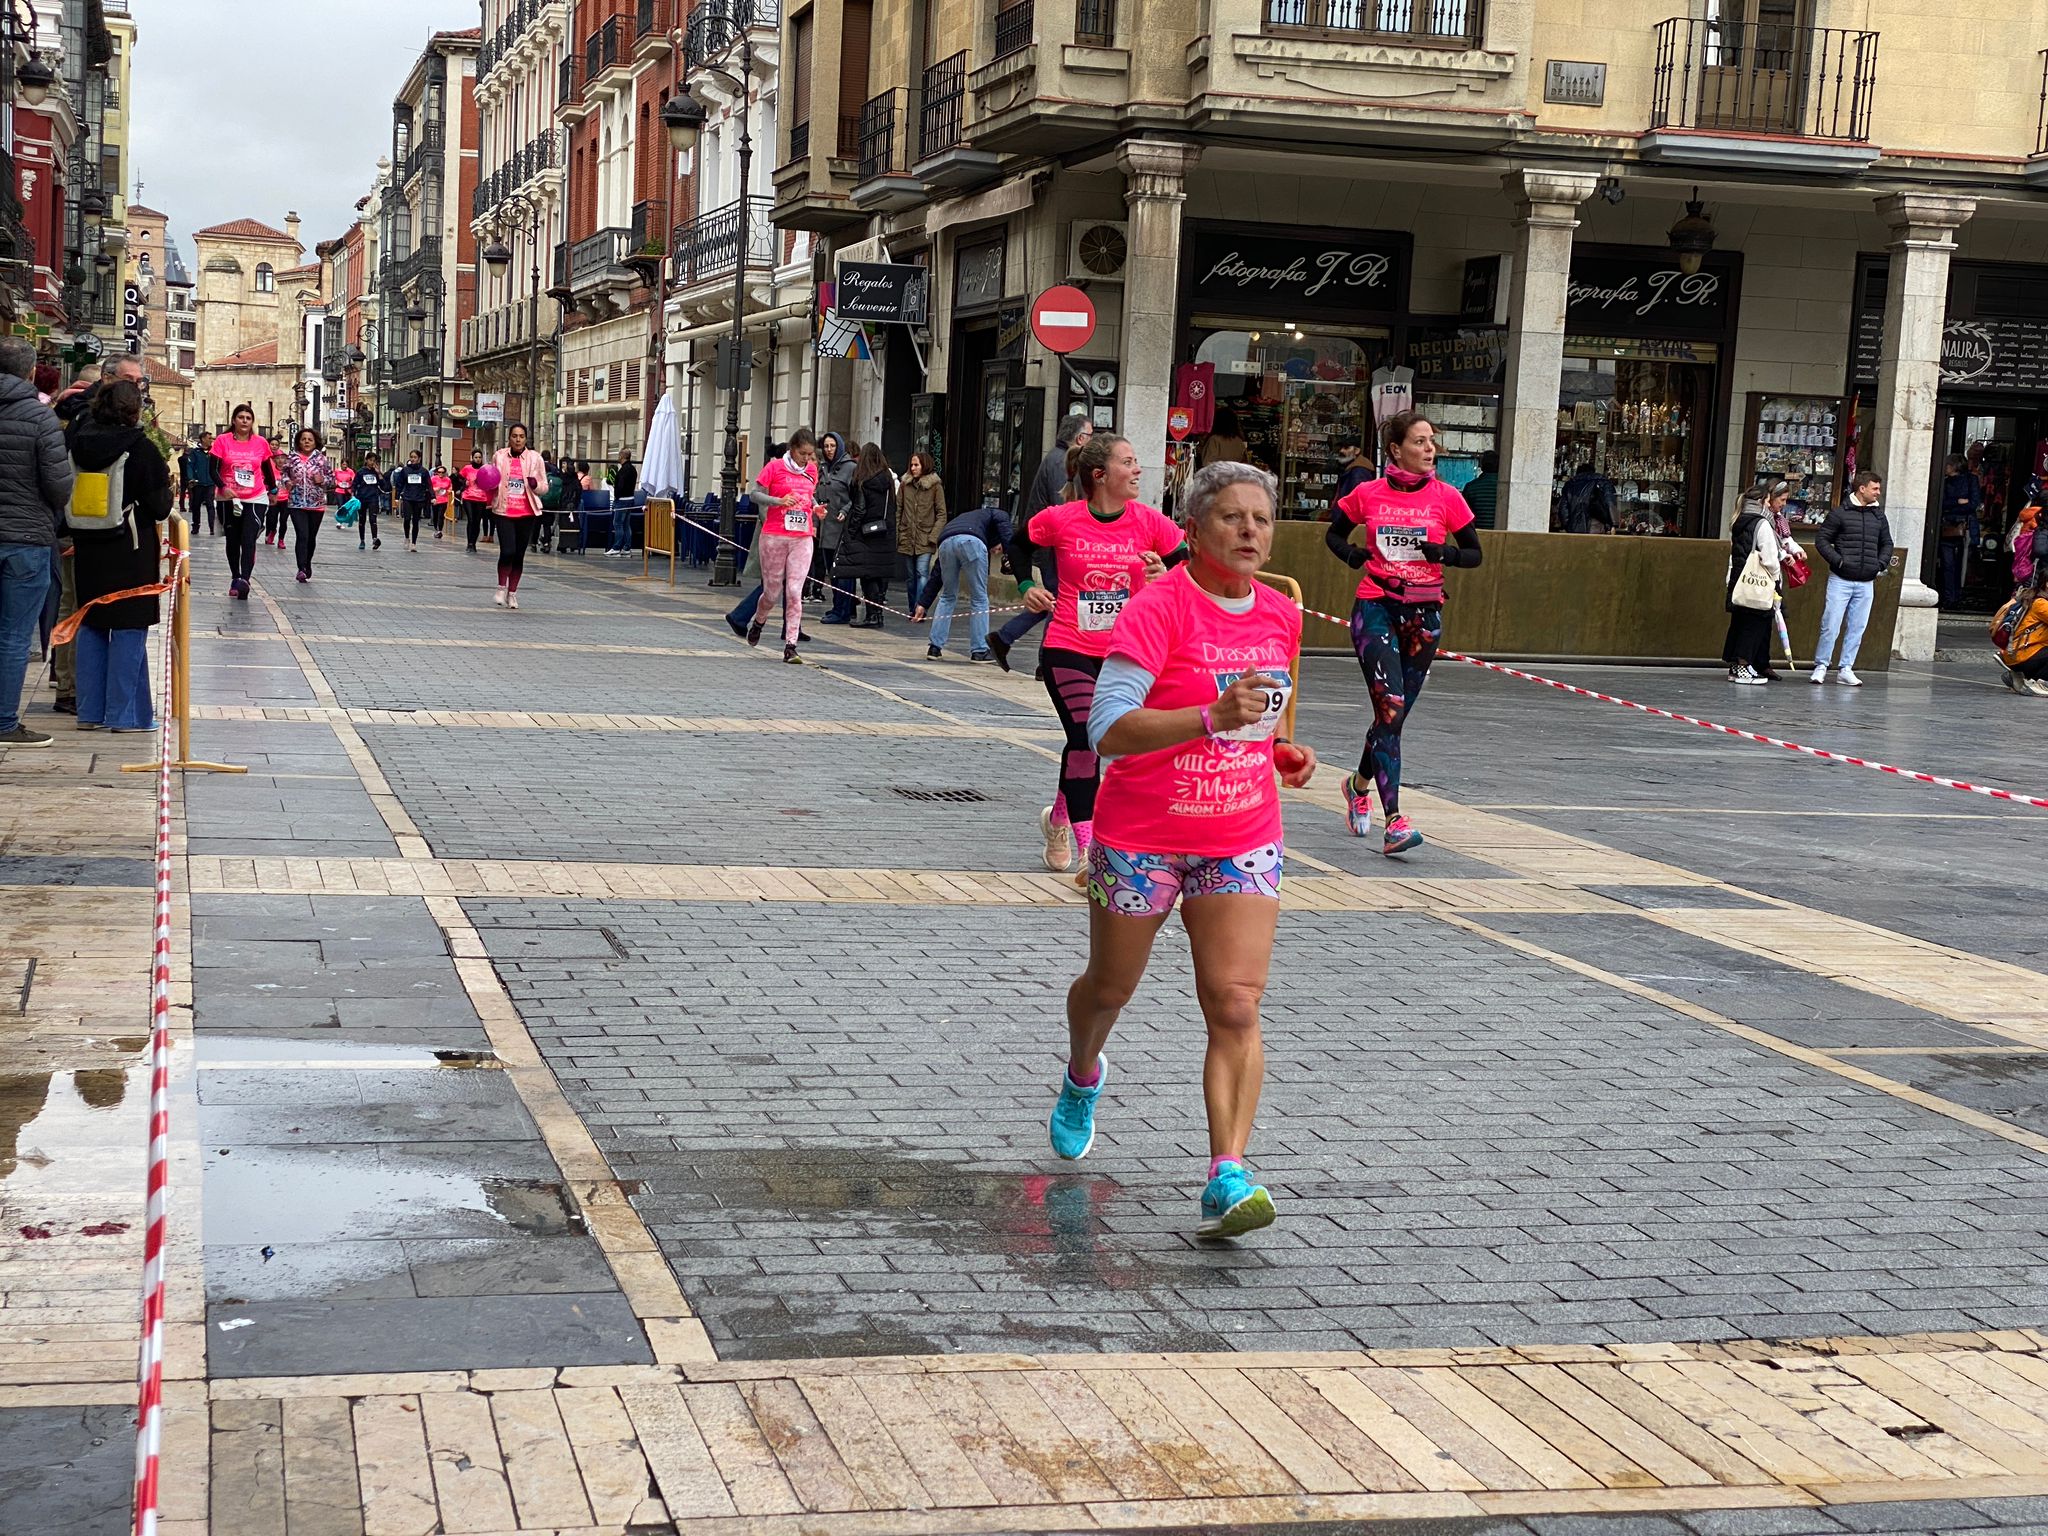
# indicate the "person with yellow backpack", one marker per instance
pixel 2019 630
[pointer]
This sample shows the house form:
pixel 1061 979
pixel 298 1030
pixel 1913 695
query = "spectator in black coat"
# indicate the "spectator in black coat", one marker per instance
pixel 114 687
pixel 35 487
pixel 867 548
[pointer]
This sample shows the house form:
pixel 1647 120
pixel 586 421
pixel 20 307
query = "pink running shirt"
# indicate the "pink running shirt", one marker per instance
pixel 244 458
pixel 1214 798
pixel 1398 523
pixel 1100 564
pixel 784 478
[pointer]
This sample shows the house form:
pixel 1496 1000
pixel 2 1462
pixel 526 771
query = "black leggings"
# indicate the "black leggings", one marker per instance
pixel 366 525
pixel 514 534
pixel 276 518
pixel 306 522
pixel 242 523
pixel 414 513
pixel 1395 642
pixel 1070 679
pixel 477 512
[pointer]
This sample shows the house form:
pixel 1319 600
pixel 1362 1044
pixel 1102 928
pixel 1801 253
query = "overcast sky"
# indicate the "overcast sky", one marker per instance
pixel 246 110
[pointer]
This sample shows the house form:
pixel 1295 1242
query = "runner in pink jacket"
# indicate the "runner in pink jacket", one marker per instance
pixel 522 481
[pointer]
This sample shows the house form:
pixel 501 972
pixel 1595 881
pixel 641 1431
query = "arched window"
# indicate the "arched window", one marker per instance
pixel 266 280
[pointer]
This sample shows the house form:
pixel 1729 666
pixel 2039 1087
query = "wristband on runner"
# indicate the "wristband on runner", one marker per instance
pixel 1208 729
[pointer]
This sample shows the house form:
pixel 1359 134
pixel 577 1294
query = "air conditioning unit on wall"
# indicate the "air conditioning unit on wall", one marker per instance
pixel 1097 251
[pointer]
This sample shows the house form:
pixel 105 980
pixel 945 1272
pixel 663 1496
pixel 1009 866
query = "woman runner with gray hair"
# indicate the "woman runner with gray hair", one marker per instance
pixel 1186 716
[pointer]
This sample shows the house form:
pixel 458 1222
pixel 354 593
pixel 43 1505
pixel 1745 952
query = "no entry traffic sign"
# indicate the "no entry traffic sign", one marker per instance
pixel 1062 319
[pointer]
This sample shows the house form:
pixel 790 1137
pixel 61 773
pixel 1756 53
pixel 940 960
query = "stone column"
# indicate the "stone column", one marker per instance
pixel 1547 204
pixel 1155 186
pixel 1923 226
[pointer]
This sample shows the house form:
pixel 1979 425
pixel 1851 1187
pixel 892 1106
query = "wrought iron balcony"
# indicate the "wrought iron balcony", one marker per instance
pixel 601 50
pixel 945 85
pixel 592 258
pixel 1431 23
pixel 1015 29
pixel 423 364
pixel 426 151
pixel 522 15
pixel 568 87
pixel 716 25
pixel 532 159
pixel 884 136
pixel 649 228
pixel 1763 78
pixel 650 20
pixel 708 245
pixel 799 143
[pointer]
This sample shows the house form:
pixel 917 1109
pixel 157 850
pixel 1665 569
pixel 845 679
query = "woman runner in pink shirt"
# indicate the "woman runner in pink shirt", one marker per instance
pixel 1107 546
pixel 1188 713
pixel 245 470
pixel 522 478
pixel 789 487
pixel 1415 526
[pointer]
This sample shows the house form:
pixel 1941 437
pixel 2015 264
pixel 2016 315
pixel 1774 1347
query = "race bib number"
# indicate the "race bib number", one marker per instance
pixel 1261 729
pixel 796 520
pixel 245 477
pixel 1401 544
pixel 1095 612
pixel 516 486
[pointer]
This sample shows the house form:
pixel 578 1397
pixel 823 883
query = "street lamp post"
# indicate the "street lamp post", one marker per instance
pixel 526 217
pixel 684 118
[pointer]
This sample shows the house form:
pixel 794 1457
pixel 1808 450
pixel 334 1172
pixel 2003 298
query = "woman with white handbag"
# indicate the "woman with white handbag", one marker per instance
pixel 1755 559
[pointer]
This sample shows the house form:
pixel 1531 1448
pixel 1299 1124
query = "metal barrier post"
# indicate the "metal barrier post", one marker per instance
pixel 180 642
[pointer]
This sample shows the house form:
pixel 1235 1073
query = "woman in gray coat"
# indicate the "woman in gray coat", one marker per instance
pixel 835 500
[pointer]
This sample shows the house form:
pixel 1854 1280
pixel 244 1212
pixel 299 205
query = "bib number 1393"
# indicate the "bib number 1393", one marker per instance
pixel 1261 729
pixel 1097 611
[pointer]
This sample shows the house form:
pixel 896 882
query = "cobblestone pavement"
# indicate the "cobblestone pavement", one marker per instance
pixel 605 1100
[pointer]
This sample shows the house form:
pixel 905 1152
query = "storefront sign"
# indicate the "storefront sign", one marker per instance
pixel 1998 356
pixel 1654 349
pixel 881 293
pixel 1485 287
pixel 1294 276
pixel 1569 83
pixel 978 275
pixel 1647 292
pixel 1465 355
pixel 490 408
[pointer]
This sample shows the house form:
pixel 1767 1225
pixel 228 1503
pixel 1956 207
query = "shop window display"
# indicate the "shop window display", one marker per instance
pixel 1291 396
pixel 1634 420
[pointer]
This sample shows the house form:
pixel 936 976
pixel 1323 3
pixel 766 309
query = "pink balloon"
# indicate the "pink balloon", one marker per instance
pixel 487 479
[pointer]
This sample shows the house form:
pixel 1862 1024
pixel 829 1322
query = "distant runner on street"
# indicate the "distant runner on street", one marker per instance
pixel 245 471
pixel 1187 714
pixel 1415 526
pixel 1105 547
pixel 521 477
pixel 308 478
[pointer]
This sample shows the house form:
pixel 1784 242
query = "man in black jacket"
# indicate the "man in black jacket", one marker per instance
pixel 414 488
pixel 35 488
pixel 1048 489
pixel 1856 542
pixel 369 490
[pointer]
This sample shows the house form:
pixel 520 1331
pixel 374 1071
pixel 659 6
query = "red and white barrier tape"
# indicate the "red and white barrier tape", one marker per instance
pixel 1918 777
pixel 1915 775
pixel 149 1410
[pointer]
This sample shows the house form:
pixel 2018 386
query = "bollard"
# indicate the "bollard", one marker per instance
pixel 180 642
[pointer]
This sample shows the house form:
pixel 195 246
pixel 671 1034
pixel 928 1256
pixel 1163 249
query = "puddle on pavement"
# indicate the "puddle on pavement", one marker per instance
pixel 1050 1227
pixel 60 1132
pixel 244 1053
pixel 275 1196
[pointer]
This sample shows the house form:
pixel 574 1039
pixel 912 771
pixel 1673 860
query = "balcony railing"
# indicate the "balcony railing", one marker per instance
pixel 495 330
pixel 423 364
pixel 601 50
pixel 706 247
pixel 533 158
pixel 1760 77
pixel 569 83
pixel 428 149
pixel 1014 29
pixel 517 20
pixel 592 258
pixel 2041 114
pixel 799 143
pixel 649 227
pixel 717 24
pixel 884 135
pixel 1433 23
pixel 945 83
pixel 561 268
pixel 1095 23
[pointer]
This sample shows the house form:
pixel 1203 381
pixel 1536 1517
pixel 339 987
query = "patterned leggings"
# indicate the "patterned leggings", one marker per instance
pixel 1396 642
pixel 1070 679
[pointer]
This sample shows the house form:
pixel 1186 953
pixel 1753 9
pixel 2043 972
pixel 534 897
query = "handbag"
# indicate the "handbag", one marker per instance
pixel 1754 588
pixel 1797 572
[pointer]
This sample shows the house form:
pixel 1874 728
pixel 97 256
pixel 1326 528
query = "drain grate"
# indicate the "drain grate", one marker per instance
pixel 946 796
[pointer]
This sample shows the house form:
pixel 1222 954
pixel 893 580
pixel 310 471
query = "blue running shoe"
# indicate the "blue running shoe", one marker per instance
pixel 1073 1113
pixel 1358 804
pixel 1400 837
pixel 1233 1205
